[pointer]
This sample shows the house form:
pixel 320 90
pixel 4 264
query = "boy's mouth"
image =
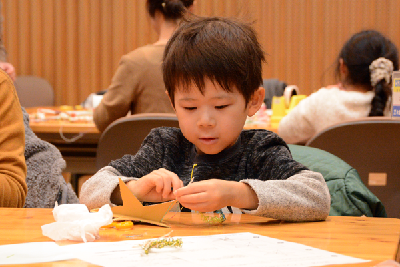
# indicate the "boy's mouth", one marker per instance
pixel 208 140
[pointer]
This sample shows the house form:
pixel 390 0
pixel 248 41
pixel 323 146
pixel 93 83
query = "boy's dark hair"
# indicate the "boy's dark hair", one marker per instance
pixel 223 50
pixel 171 9
pixel 358 53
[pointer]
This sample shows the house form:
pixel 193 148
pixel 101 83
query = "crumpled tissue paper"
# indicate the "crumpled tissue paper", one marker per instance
pixel 75 222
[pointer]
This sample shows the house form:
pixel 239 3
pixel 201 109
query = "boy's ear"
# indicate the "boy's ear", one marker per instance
pixel 256 101
pixel 172 104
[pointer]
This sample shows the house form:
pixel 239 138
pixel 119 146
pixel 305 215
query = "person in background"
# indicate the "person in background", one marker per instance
pixel 212 71
pixel 4 65
pixel 46 184
pixel 137 85
pixel 13 188
pixel 364 69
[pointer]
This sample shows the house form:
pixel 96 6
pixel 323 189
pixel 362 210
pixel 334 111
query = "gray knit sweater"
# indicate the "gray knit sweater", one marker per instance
pixel 286 189
pixel 44 162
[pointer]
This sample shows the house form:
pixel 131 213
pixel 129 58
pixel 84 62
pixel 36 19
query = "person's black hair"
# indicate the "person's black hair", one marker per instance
pixel 358 53
pixel 171 9
pixel 225 51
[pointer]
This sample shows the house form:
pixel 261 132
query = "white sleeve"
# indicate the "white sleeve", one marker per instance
pixel 298 125
pixel 302 197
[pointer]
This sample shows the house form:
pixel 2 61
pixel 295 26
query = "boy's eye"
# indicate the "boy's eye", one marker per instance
pixel 190 108
pixel 221 107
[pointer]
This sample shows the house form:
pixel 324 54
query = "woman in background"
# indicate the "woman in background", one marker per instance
pixel 364 69
pixel 137 85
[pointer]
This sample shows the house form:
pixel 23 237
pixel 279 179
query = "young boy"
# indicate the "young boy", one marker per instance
pixel 212 72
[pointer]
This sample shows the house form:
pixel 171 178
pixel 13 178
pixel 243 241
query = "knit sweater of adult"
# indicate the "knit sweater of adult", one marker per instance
pixel 322 109
pixel 46 184
pixel 286 189
pixel 137 86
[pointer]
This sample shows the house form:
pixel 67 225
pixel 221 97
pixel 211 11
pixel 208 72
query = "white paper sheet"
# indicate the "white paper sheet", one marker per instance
pixel 32 253
pixel 242 249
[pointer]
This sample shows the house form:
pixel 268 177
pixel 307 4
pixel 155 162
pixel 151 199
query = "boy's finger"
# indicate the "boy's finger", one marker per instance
pixel 177 183
pixel 159 183
pixel 167 183
pixel 196 198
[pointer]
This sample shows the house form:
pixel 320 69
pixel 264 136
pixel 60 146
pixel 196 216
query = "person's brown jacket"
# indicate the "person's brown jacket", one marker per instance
pixel 137 86
pixel 13 188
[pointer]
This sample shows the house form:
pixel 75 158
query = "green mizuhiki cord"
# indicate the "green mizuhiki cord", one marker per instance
pixel 161 243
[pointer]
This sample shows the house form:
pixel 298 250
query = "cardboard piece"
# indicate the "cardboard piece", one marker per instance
pixel 133 209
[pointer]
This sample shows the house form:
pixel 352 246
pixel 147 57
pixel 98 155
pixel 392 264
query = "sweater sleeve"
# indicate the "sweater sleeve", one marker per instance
pixel 302 197
pixel 13 188
pixel 286 189
pixel 97 191
pixel 119 97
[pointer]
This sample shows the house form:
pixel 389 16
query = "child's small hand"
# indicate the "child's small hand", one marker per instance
pixel 214 194
pixel 205 196
pixel 157 186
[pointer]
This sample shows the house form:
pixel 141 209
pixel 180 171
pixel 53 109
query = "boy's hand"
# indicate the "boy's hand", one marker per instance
pixel 214 194
pixel 157 186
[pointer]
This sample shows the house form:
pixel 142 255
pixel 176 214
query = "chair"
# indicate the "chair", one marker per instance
pixel 349 196
pixel 273 87
pixel 371 146
pixel 125 135
pixel 34 91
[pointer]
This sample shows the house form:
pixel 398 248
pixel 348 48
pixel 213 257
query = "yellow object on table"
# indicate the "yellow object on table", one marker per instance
pixel 280 109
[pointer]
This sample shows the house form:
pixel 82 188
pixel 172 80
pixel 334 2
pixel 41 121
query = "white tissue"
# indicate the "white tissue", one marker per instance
pixel 75 222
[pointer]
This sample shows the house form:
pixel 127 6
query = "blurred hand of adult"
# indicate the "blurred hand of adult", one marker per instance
pixel 9 69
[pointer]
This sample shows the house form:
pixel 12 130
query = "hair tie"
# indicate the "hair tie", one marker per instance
pixel 380 69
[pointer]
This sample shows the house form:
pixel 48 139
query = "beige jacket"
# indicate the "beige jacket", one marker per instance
pixel 137 86
pixel 13 188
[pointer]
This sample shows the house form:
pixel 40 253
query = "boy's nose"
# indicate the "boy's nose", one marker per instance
pixel 206 120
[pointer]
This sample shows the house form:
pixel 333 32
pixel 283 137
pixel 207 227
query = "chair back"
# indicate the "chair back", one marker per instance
pixel 349 195
pixel 371 146
pixel 125 135
pixel 34 91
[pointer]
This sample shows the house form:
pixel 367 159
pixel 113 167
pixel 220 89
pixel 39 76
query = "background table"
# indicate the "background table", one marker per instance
pixel 375 239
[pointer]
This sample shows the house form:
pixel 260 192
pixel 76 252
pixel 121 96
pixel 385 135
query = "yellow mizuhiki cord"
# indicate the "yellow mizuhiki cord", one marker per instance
pixel 191 175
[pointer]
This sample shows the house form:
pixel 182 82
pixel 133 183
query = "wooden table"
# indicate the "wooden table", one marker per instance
pixel 375 239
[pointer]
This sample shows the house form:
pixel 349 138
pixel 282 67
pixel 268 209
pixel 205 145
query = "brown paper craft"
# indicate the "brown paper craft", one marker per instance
pixel 132 209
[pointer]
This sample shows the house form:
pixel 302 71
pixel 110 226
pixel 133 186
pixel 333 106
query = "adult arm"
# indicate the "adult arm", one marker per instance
pixel 13 188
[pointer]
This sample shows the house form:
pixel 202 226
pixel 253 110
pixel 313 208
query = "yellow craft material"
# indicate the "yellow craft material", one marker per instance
pixel 280 109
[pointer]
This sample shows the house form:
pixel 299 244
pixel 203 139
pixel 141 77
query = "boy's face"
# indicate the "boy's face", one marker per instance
pixel 213 121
